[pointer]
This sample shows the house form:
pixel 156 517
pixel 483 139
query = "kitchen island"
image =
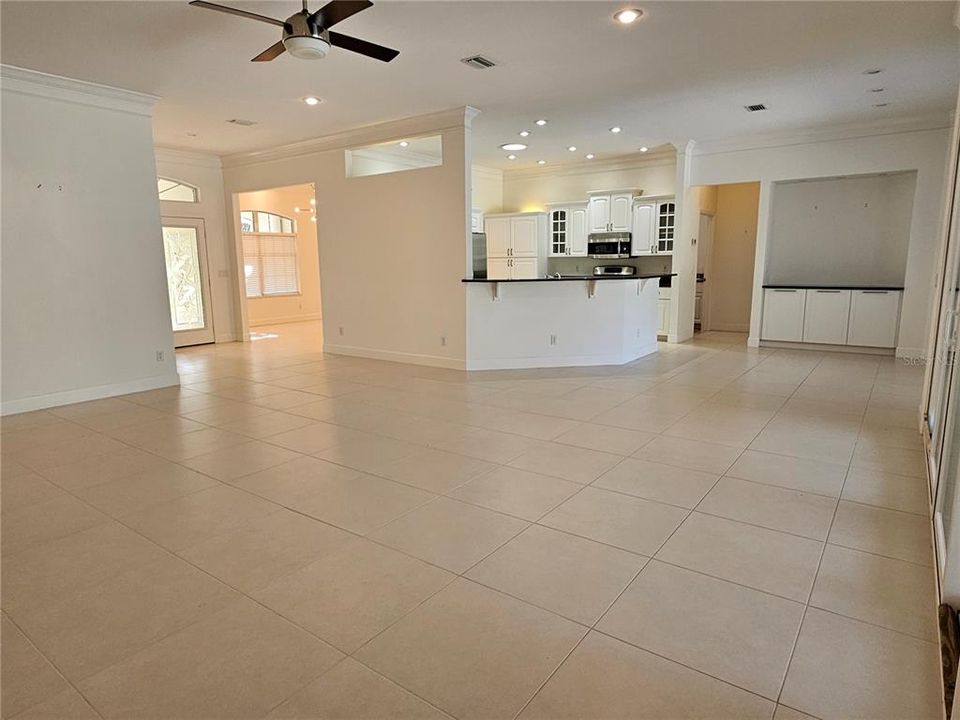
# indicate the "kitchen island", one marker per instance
pixel 561 322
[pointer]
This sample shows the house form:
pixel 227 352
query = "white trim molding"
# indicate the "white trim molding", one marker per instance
pixel 285 319
pixel 393 356
pixel 79 92
pixel 97 392
pixel 186 157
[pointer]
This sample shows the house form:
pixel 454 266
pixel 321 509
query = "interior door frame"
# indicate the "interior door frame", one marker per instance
pixel 206 334
pixel 708 267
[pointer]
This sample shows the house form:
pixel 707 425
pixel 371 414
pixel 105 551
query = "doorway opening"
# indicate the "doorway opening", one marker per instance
pixel 726 251
pixel 281 261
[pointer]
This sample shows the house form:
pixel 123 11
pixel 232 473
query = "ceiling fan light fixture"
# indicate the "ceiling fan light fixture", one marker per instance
pixel 306 47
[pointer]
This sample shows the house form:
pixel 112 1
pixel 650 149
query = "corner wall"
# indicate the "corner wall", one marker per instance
pixel 84 298
pixel 393 247
pixel 855 152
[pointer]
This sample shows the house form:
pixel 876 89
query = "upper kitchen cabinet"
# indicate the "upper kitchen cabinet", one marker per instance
pixel 567 227
pixel 516 245
pixel 610 211
pixel 666 225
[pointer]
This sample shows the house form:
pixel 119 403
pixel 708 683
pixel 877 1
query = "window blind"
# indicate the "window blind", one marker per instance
pixel 270 264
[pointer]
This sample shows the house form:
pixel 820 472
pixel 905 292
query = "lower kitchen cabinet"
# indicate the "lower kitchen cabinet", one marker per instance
pixel 831 316
pixel 825 316
pixel 874 318
pixel 663 311
pixel 783 314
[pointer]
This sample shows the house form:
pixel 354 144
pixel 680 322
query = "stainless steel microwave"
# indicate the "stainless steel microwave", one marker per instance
pixel 608 245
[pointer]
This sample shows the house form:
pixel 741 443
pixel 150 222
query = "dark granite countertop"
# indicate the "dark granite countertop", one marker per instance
pixel 645 276
pixel 832 287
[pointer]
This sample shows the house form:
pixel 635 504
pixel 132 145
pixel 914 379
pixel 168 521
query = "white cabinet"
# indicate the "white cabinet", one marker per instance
pixel 525 235
pixel 611 211
pixel 642 238
pixel 666 226
pixel 578 230
pixel 783 314
pixel 516 246
pixel 567 227
pixel 825 316
pixel 874 318
pixel 663 310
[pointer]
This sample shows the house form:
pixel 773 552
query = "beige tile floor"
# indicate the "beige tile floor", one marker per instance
pixel 712 532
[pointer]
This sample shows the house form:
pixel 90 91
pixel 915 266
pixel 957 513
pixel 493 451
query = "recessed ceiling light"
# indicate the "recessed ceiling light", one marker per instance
pixel 297 209
pixel 876 90
pixel 628 16
pixel 511 157
pixel 541 162
pixel 572 148
pixel 541 123
pixel 615 129
pixel 313 219
pixel 313 201
pixel 644 148
pixel 404 143
pixel 873 71
pixel 513 146
pixel 311 100
pixel 590 156
pixel 524 133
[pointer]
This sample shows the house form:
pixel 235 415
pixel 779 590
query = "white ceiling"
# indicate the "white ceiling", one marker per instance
pixel 685 71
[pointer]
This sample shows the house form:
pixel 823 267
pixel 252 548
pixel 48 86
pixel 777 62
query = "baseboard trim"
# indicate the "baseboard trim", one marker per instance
pixel 551 362
pixel 286 320
pixel 97 392
pixel 818 347
pixel 393 356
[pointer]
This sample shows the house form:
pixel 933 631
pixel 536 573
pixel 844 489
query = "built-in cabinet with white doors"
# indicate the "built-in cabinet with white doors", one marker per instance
pixel 663 311
pixel 653 226
pixel 567 229
pixel 862 317
pixel 611 211
pixel 516 246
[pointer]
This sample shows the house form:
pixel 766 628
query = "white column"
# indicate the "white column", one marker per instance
pixel 684 289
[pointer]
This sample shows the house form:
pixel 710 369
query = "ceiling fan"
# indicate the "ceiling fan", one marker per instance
pixel 307 35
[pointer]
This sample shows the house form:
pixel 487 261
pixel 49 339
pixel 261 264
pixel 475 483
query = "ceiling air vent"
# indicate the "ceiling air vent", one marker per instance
pixel 755 108
pixel 241 121
pixel 478 61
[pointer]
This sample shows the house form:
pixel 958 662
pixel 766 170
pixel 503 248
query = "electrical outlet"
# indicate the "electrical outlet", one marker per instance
pixel 443 341
pixel 553 339
pixel 159 355
pixel 341 330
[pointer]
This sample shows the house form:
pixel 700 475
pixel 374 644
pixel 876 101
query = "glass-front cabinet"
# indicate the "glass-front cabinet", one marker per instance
pixel 666 226
pixel 568 230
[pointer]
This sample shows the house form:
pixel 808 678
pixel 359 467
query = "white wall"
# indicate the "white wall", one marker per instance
pixel 487 189
pixel 84 293
pixel 850 153
pixel 531 189
pixel 393 248
pixel 853 231
pixel 731 266
pixel 204 173
pixel 306 304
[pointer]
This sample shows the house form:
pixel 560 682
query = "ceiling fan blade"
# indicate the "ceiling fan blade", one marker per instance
pixel 337 10
pixel 270 53
pixel 377 52
pixel 235 11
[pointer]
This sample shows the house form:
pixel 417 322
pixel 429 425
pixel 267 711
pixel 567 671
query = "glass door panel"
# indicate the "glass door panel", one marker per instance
pixel 184 250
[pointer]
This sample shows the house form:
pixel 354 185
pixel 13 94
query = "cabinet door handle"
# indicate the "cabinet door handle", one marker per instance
pixel 828 291
pixel 783 290
pixel 874 292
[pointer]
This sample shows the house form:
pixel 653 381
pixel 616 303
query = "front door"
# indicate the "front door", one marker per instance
pixel 188 281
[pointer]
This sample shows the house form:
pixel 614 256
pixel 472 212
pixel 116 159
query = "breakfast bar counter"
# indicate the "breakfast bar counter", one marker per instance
pixel 560 322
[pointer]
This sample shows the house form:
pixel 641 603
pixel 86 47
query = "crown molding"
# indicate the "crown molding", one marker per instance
pixel 825 133
pixel 436 122
pixel 186 157
pixel 660 157
pixel 79 92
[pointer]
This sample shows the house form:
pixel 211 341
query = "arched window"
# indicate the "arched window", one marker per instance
pixel 269 254
pixel 176 191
